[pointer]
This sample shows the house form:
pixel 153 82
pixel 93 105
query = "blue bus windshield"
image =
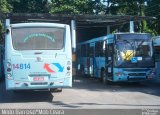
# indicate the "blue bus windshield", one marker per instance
pixel 126 50
pixel 37 38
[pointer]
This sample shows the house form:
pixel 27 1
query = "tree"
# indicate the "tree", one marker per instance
pixel 75 6
pixel 29 6
pixel 128 7
pixel 4 8
pixel 153 9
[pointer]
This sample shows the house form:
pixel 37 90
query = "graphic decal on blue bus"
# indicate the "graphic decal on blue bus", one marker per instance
pixel 21 66
pixel 53 69
pixel 134 60
pixel 49 70
pixel 38 35
pixel 59 67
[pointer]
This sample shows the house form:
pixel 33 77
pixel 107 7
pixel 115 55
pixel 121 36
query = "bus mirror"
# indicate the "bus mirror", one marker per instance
pixel 7 31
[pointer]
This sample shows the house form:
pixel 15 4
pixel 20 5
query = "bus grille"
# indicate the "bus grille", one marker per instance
pixel 137 74
pixel 136 79
pixel 39 83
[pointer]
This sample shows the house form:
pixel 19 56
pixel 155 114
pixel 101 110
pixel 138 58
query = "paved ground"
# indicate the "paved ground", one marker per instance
pixel 86 93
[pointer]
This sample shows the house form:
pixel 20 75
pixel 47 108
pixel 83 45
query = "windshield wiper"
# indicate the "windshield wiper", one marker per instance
pixel 136 49
pixel 131 44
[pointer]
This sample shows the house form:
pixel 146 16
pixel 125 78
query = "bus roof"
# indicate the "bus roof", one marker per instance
pixel 109 36
pixel 38 24
pixel 130 33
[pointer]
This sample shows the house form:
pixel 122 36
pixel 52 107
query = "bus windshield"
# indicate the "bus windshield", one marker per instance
pixel 140 50
pixel 38 38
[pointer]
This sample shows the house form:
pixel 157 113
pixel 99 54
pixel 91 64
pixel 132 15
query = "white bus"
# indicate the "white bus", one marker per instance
pixel 37 56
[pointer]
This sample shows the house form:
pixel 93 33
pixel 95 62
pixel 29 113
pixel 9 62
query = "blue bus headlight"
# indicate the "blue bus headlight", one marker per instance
pixel 120 74
pixel 151 73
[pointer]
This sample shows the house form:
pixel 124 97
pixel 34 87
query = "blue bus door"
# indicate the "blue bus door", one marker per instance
pixel 109 61
pixel 91 61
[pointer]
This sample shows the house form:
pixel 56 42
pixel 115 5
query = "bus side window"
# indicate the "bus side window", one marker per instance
pixel 82 50
pixel 99 49
pixel 79 51
pixel 87 50
pixel 91 51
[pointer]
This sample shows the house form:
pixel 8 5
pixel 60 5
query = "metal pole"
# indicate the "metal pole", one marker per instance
pixel 73 34
pixel 7 23
pixel 108 29
pixel 131 26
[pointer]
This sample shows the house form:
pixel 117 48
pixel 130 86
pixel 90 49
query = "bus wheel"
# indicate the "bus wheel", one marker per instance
pixel 103 77
pixel 55 90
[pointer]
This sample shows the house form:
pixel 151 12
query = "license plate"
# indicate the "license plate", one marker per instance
pixel 38 79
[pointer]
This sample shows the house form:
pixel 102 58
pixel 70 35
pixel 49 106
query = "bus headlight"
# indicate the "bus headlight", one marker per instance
pixel 119 74
pixel 151 72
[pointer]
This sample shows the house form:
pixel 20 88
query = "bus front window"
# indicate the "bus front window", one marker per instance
pixel 125 50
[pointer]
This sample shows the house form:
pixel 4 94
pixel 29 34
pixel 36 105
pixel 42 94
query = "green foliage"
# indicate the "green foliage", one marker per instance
pixel 136 7
pixel 153 9
pixel 112 7
pixel 4 6
pixel 76 6
pixel 29 6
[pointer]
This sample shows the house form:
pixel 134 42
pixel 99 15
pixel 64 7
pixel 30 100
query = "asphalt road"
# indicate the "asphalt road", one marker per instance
pixel 86 93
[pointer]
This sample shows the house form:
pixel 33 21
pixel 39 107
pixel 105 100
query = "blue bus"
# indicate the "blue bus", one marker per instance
pixel 156 40
pixel 37 56
pixel 117 57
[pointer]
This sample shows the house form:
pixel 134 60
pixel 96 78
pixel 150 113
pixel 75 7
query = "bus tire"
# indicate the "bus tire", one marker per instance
pixel 56 90
pixel 103 77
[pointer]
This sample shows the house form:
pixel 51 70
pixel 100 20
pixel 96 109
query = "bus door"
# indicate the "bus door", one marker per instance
pixel 91 59
pixel 109 61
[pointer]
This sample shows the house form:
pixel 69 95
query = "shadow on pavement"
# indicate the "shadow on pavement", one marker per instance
pixel 62 104
pixel 92 84
pixel 24 96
